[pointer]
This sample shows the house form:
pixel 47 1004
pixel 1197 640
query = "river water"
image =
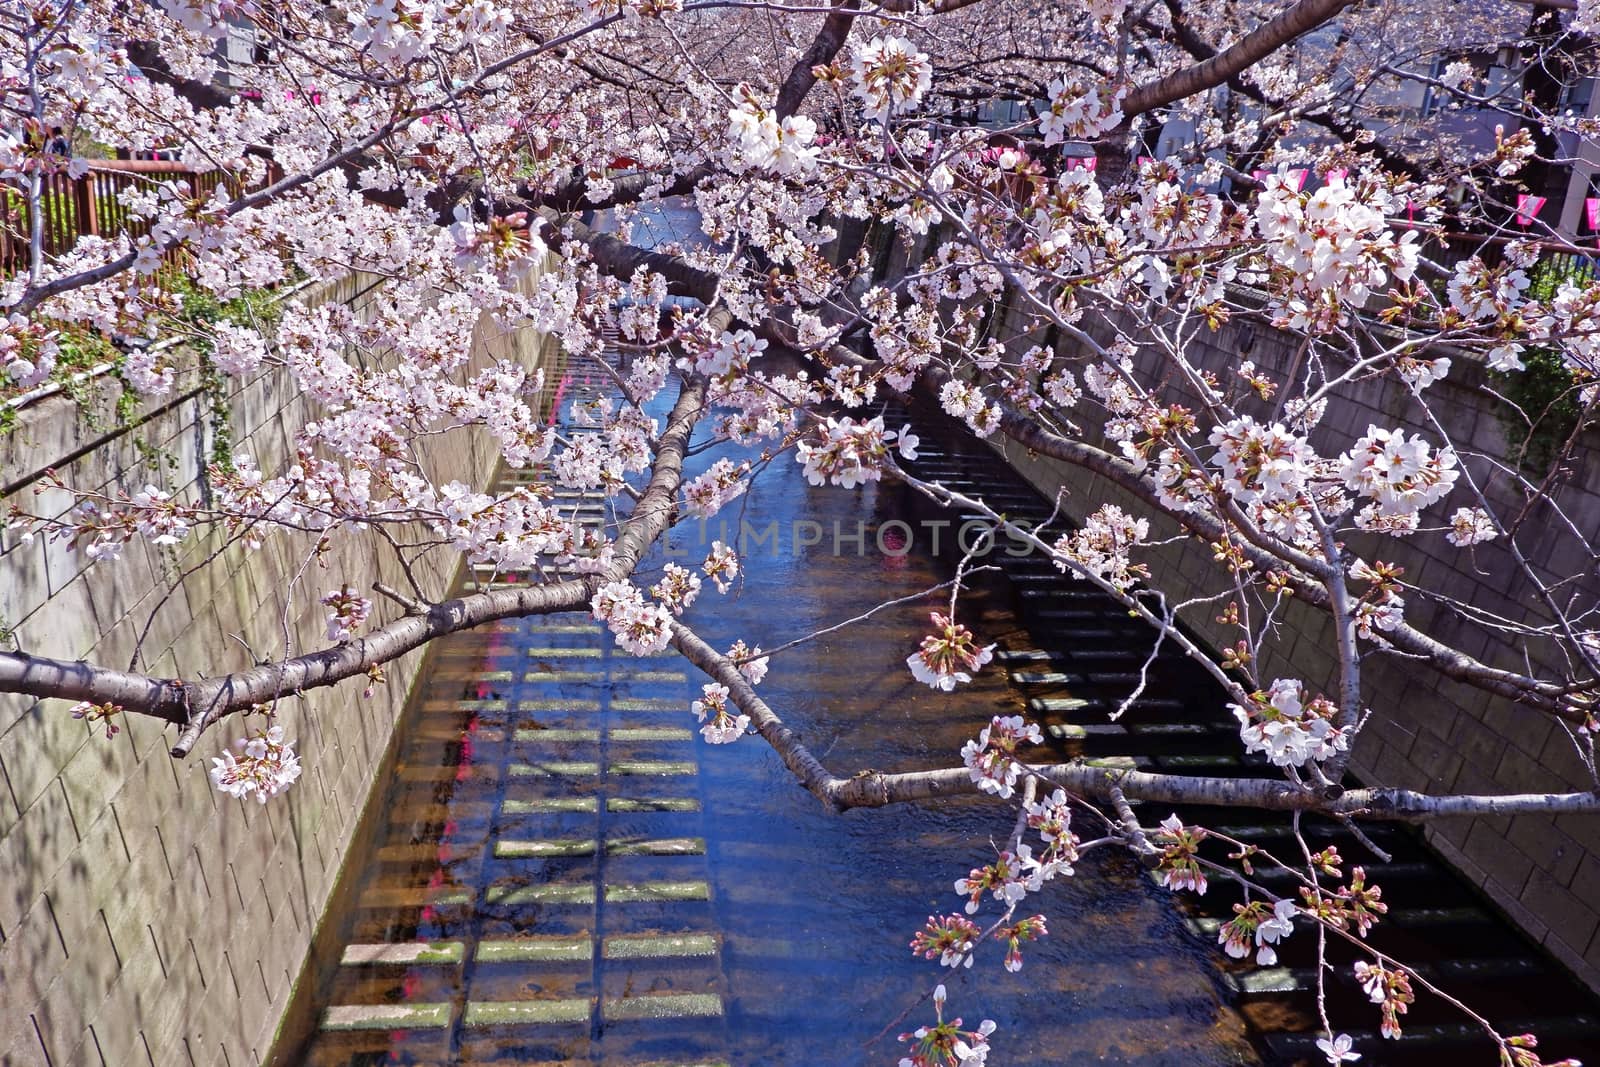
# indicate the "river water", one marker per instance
pixel 562 871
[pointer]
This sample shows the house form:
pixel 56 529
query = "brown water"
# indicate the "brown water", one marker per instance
pixel 564 872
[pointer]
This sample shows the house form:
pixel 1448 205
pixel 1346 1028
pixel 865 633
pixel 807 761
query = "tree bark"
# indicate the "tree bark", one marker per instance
pixel 1302 18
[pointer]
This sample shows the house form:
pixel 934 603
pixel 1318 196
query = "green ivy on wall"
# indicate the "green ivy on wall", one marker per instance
pixel 1545 394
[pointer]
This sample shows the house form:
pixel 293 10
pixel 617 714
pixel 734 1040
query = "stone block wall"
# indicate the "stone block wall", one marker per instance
pixel 1429 733
pixel 146 919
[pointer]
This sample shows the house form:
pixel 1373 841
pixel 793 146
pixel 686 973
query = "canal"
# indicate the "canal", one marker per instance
pixel 563 871
pixel 560 871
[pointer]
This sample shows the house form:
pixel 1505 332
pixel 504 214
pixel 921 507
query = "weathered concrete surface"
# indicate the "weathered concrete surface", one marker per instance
pixel 144 918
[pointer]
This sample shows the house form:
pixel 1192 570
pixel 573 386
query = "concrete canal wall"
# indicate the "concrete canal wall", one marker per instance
pixel 145 918
pixel 1430 733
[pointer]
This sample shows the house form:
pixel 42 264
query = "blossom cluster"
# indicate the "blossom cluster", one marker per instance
pixel 710 492
pixel 677 589
pixel 1289 728
pixel 945 1043
pixel 93 713
pixel 1400 476
pixel 991 757
pixel 1080 110
pixel 1333 246
pixel 640 627
pixel 1256 927
pixel 1178 866
pixel 721 565
pixel 347 612
pixel 1101 545
pixel 947 938
pixel 1052 818
pixel 848 453
pixel 1390 989
pixel 946 656
pixel 721 725
pixel 265 767
pixel 759 140
pixel 889 76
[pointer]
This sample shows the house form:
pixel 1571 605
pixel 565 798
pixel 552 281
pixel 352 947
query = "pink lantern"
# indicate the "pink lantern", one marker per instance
pixel 1591 212
pixel 1298 176
pixel 1527 208
pixel 1337 174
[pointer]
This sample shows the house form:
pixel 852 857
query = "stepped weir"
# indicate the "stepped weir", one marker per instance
pixel 561 871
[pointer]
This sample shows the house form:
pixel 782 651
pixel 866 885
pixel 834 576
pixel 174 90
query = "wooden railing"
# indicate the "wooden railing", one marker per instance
pixel 77 207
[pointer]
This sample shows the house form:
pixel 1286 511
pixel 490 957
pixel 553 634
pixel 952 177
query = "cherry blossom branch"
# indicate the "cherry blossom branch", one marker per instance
pixel 873 789
pixel 1298 20
pixel 1532 692
pixel 196 705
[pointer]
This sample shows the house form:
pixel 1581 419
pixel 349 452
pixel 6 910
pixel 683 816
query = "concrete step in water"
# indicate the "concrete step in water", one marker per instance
pixel 433 850
pixel 583 894
pixel 1084 706
pixel 618 735
pixel 435 1016
pixel 1421 918
pixel 1133 634
pixel 434 814
pixel 547 806
pixel 1046 678
pixel 535 736
pixel 1558 1036
pixel 578 677
pixel 568 705
pixel 535 950
pixel 549 894
pixel 1085 660
pixel 1053 623
pixel 394 898
pixel 555 1011
pixel 505 848
pixel 660 946
pixel 1112 739
pixel 1033 572
pixel 655 1007
pixel 1276 981
pixel 546 768
pixel 404 954
pixel 657 892
pixel 1066 590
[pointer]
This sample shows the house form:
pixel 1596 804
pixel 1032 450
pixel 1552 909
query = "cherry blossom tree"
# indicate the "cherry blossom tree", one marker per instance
pixel 450 147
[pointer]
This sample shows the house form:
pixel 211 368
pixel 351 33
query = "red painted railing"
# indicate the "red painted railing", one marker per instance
pixel 77 207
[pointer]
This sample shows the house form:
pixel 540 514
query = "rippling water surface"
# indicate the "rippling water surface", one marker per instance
pixel 564 872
